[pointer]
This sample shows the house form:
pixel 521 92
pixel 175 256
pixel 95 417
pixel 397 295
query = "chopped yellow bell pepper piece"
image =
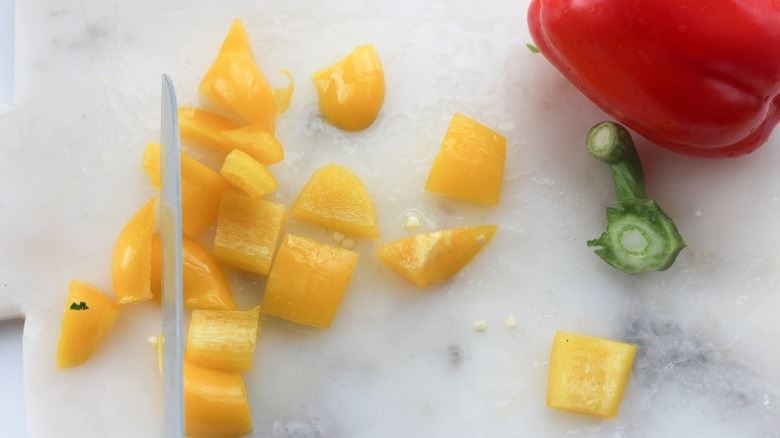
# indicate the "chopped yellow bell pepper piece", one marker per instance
pixel 337 199
pixel 470 163
pixel 283 96
pixel 587 374
pixel 215 403
pixel 89 316
pixel 248 232
pixel 235 82
pixel 243 172
pixel 307 281
pixel 435 257
pixel 223 339
pixel 205 285
pixel 351 91
pixel 201 189
pixel 132 261
pixel 216 132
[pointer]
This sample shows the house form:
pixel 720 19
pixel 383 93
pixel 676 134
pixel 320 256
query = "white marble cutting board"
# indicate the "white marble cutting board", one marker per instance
pixel 398 362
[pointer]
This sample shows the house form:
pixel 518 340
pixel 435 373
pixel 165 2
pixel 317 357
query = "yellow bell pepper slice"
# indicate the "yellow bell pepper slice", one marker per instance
pixel 89 315
pixel 215 403
pixel 245 173
pixel 223 339
pixel 201 189
pixel 216 132
pixel 132 261
pixel 435 257
pixel 351 91
pixel 335 198
pixel 470 163
pixel 283 96
pixel 587 374
pixel 307 281
pixel 235 82
pixel 205 284
pixel 248 232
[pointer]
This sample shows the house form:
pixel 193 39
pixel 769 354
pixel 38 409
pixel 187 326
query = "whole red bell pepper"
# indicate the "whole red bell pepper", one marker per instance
pixel 699 77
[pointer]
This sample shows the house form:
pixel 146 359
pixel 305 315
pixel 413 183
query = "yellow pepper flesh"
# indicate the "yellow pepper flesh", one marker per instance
pixel 351 91
pixel 205 284
pixel 335 198
pixel 245 173
pixel 223 339
pixel 201 189
pixel 235 82
pixel 435 257
pixel 89 315
pixel 248 231
pixel 307 281
pixel 132 260
pixel 587 374
pixel 283 96
pixel 470 163
pixel 216 132
pixel 215 403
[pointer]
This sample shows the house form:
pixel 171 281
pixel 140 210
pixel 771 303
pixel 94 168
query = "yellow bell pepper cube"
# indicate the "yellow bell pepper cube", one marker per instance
pixel 201 189
pixel 215 403
pixel 435 257
pixel 243 172
pixel 587 374
pixel 132 261
pixel 89 315
pixel 470 163
pixel 235 82
pixel 248 232
pixel 351 91
pixel 205 284
pixel 307 281
pixel 335 198
pixel 216 132
pixel 223 339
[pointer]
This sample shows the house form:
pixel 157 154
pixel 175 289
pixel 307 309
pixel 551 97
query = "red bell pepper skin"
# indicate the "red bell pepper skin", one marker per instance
pixel 699 77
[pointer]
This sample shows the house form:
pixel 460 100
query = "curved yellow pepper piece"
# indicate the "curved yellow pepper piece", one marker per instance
pixel 336 198
pixel 205 285
pixel 435 257
pixel 352 91
pixel 89 315
pixel 244 172
pixel 235 82
pixel 201 189
pixel 470 163
pixel 283 96
pixel 132 261
pixel 216 132
pixel 215 403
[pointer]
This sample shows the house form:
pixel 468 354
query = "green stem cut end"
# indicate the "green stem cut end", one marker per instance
pixel 640 237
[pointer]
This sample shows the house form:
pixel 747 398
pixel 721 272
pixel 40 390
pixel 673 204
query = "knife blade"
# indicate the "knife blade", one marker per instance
pixel 172 278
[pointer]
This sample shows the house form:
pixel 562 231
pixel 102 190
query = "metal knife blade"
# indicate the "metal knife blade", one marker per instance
pixel 172 279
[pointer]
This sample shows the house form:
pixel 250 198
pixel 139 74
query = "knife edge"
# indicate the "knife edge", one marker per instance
pixel 172 277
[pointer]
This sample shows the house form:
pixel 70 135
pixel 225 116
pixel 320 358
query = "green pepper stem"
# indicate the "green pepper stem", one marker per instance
pixel 611 143
pixel 640 237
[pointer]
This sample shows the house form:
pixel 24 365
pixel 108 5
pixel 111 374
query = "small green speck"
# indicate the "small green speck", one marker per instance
pixel 79 306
